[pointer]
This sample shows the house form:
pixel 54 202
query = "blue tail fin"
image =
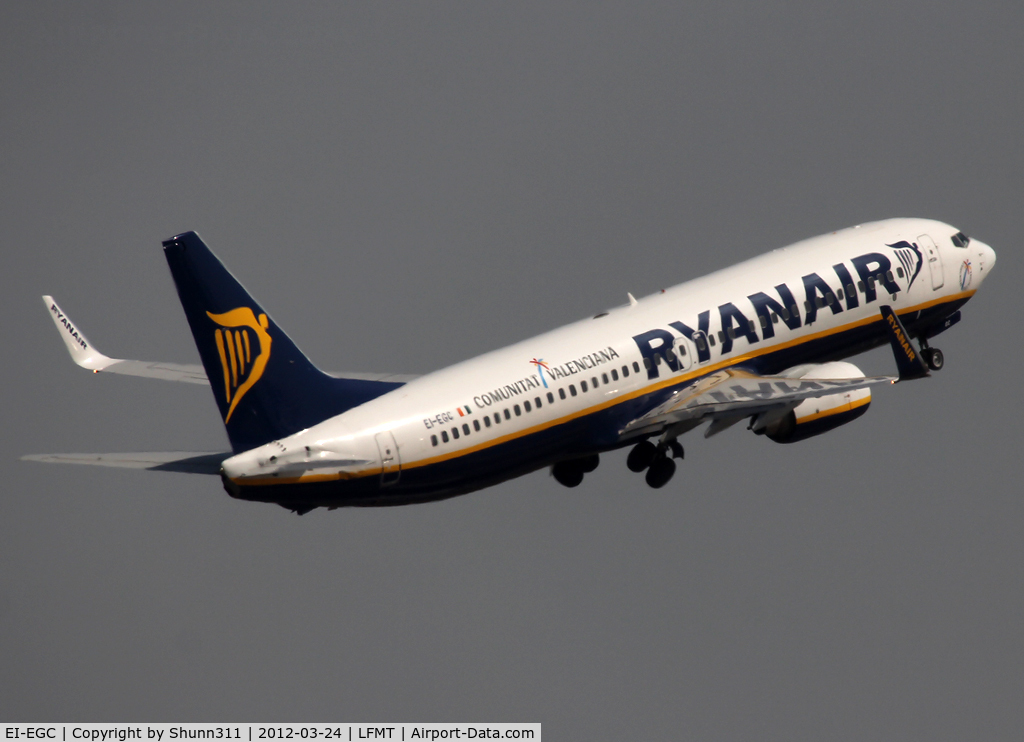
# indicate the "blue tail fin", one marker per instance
pixel 265 387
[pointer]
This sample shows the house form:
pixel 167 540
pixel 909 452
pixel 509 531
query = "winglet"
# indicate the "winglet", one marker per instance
pixel 82 351
pixel 908 360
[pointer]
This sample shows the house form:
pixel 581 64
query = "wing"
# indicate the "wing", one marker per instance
pixel 181 461
pixel 725 397
pixel 87 356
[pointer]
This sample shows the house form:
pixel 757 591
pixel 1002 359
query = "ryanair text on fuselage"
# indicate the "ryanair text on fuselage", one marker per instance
pixel 871 268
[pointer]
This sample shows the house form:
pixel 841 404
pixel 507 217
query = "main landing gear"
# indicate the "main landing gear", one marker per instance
pixel 656 459
pixel 570 473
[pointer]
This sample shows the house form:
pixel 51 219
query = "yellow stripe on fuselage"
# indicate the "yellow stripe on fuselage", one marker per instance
pixel 657 386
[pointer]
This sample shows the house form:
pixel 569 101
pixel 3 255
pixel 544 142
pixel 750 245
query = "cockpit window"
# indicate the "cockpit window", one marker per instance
pixel 960 239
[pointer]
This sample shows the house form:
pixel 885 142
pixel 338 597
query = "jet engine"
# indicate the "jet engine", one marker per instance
pixel 820 414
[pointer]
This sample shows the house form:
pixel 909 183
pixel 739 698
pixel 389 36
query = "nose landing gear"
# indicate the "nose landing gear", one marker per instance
pixel 933 358
pixel 656 459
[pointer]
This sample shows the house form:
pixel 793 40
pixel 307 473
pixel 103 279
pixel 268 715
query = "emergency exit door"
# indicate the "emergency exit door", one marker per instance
pixel 933 257
pixel 390 461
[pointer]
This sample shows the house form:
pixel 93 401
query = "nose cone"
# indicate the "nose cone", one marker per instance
pixel 985 256
pixel 988 257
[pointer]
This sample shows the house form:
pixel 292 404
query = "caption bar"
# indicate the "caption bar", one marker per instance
pixel 260 732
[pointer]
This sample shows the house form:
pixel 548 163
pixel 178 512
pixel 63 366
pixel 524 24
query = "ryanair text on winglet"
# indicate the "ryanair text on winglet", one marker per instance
pixel 900 337
pixel 68 326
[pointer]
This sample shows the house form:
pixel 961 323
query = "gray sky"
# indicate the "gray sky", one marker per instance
pixel 407 186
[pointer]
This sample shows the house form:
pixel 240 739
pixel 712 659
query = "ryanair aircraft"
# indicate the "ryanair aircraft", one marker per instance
pixel 762 341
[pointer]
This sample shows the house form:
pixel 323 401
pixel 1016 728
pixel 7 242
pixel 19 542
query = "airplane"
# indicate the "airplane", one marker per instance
pixel 762 341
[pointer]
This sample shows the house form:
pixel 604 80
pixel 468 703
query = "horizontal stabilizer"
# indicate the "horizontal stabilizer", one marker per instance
pixel 359 375
pixel 180 461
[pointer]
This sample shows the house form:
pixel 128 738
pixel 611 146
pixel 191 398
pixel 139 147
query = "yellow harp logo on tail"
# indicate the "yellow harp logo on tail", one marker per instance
pixel 242 358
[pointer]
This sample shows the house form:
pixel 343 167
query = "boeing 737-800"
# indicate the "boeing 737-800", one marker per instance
pixel 762 341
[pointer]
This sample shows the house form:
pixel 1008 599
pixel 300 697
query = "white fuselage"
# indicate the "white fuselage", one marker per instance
pixel 790 306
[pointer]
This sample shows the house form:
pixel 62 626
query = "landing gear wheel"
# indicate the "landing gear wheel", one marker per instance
pixel 934 359
pixel 677 450
pixel 641 456
pixel 588 463
pixel 567 473
pixel 660 471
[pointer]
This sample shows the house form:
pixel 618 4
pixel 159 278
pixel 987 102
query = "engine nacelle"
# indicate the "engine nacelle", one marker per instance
pixel 820 414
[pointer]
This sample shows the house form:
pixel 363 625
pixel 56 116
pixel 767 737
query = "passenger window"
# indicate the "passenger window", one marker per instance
pixel 476 425
pixel 839 294
pixel 711 340
pixel 751 327
pixel 669 355
pixel 455 433
pixel 785 314
pixel 594 383
pixel 518 411
pixel 647 363
pixel 888 274
pixel 444 436
pixel 551 398
pixel 732 333
pixel 536 402
pixel 807 304
pixel 497 418
pixel 764 321
pixel 508 415
pixel 572 390
pixel 465 428
pixel 526 406
pixel 561 393
pixel 433 440
pixel 487 421
pixel 583 386
pixel 636 367
pixel 794 311
pixel 819 302
pixel 625 372
pixel 721 336
pixel 830 298
pixel 700 342
pixel 860 286
pixel 615 375
pixel 849 289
